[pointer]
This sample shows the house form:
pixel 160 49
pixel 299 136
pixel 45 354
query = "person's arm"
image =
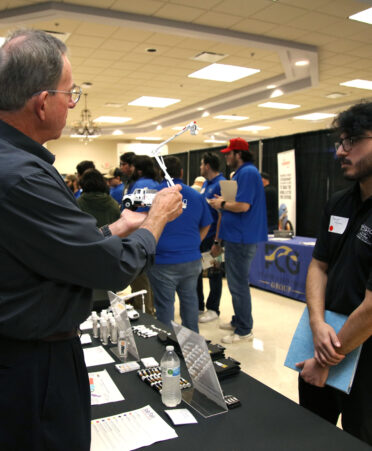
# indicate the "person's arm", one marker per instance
pixel 235 207
pixel 216 247
pixel 324 336
pixel 203 231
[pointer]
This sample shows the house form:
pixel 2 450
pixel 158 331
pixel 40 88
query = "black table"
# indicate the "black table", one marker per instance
pixel 265 421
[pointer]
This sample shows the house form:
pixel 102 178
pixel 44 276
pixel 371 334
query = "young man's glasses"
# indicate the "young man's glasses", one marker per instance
pixel 75 93
pixel 347 143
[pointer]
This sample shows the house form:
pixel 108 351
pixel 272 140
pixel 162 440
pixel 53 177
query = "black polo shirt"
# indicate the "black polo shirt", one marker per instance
pixel 345 243
pixel 51 253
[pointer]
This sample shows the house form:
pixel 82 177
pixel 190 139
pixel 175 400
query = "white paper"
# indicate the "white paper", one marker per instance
pixel 86 324
pixel 149 362
pixel 130 430
pixel 103 388
pixel 85 339
pixel 97 356
pixel 181 416
pixel 229 189
pixel 337 224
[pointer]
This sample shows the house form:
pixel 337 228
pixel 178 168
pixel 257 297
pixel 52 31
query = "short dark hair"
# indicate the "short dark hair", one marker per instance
pixel 354 121
pixel 93 181
pixel 246 156
pixel 127 157
pixel 213 160
pixel 174 166
pixel 265 175
pixel 144 164
pixel 84 165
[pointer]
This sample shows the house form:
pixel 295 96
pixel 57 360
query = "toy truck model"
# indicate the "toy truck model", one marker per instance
pixel 141 197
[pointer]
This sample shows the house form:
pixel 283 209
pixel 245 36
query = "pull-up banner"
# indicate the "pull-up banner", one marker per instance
pixel 287 190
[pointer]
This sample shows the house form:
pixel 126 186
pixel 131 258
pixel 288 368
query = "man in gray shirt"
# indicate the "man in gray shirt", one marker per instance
pixel 51 254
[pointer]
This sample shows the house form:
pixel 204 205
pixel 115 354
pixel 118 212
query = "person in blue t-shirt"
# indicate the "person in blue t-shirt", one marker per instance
pixel 209 168
pixel 116 185
pixel 178 259
pixel 243 225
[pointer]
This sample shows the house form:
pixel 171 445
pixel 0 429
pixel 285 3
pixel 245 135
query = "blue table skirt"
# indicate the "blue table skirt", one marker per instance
pixel 280 265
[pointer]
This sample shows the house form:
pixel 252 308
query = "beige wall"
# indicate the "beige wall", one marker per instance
pixel 69 152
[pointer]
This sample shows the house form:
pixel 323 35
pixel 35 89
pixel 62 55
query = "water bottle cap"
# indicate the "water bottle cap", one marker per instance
pixel 169 348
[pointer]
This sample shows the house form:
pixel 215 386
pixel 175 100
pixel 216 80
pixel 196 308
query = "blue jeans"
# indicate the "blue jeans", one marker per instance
pixel 238 259
pixel 215 282
pixel 182 278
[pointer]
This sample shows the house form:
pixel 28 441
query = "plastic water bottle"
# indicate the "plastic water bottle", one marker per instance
pixel 170 375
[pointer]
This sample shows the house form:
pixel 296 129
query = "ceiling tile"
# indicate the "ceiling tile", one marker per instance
pixel 148 7
pixel 217 19
pixel 278 13
pixel 175 12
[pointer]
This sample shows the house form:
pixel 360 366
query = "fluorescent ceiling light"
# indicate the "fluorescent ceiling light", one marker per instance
pixel 148 138
pixel 232 117
pixel 83 136
pixel 223 72
pixel 154 102
pixel 271 86
pixel 117 132
pixel 276 93
pixel 361 84
pixel 2 40
pixel 112 119
pixel 279 106
pixel 363 16
pixel 113 105
pixel 302 63
pixel 254 128
pixel 205 114
pixel 315 116
pixel 214 141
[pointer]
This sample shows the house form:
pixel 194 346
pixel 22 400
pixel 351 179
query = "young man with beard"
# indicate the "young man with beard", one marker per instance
pixel 243 225
pixel 340 279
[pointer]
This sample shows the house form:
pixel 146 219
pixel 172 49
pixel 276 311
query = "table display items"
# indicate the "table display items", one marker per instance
pixel 152 377
pixel 170 374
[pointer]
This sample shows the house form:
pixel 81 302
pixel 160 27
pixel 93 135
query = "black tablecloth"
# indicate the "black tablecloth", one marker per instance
pixel 266 420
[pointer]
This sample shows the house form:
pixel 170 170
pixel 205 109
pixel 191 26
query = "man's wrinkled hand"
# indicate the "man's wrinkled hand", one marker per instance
pixel 168 203
pixel 326 343
pixel 313 373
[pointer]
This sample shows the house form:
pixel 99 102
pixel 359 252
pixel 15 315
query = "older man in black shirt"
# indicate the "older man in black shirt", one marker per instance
pixel 51 254
pixel 340 279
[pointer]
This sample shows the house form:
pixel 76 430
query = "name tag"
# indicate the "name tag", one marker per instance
pixel 337 224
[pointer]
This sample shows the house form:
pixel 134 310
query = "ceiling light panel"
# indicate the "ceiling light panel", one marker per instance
pixel 357 83
pixel 223 72
pixel 279 106
pixel 363 16
pixel 315 116
pixel 112 119
pixel 232 117
pixel 254 128
pixel 153 102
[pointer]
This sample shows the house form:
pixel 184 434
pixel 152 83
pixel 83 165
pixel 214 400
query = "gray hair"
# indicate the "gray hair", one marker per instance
pixel 30 62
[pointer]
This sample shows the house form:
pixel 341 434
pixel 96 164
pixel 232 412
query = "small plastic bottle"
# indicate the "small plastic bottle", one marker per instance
pixel 104 331
pixel 122 346
pixel 170 374
pixel 95 324
pixel 114 331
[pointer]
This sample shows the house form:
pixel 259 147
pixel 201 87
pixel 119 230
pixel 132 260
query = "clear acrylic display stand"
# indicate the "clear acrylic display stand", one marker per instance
pixel 121 317
pixel 206 395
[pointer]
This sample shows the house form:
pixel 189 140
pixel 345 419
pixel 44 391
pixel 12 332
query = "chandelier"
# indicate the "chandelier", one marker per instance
pixel 85 129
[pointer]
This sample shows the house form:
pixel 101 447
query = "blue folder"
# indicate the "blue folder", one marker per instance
pixel 340 376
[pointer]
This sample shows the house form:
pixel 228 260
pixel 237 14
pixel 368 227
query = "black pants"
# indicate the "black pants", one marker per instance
pixel 355 408
pixel 44 396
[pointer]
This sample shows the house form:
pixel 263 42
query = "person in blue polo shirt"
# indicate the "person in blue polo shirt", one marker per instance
pixel 113 178
pixel 178 259
pixel 243 225
pixel 209 168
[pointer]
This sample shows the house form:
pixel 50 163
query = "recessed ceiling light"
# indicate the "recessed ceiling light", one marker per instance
pixel 117 132
pixel 214 141
pixel 86 85
pixel 155 102
pixel 357 83
pixel 363 16
pixel 315 116
pixel 335 95
pixel 279 106
pixel 276 93
pixel 231 117
pixel 112 119
pixel 159 127
pixel 209 57
pixel 149 138
pixel 205 114
pixel 302 63
pixel 151 50
pixel 223 72
pixel 254 128
pixel 271 86
pixel 82 136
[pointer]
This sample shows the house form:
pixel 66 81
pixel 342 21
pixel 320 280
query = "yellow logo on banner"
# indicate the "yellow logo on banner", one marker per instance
pixel 291 258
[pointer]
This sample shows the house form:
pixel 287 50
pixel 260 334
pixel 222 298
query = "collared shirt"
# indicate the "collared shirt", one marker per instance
pixel 345 243
pixel 209 189
pixel 251 226
pixel 180 240
pixel 117 192
pixel 51 253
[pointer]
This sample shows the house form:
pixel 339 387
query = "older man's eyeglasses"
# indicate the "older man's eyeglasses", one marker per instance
pixel 75 93
pixel 347 143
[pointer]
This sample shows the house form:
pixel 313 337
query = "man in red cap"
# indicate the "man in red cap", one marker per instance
pixel 243 225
